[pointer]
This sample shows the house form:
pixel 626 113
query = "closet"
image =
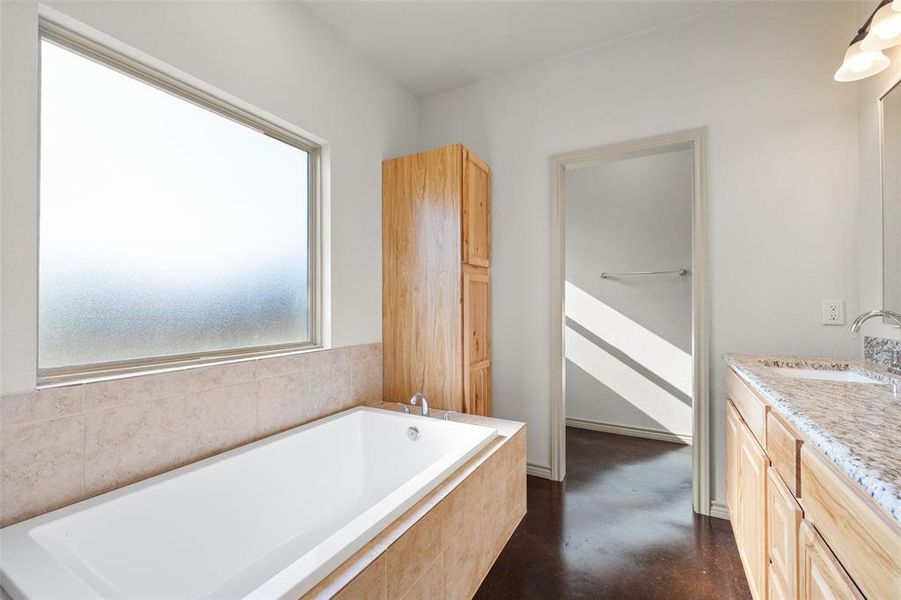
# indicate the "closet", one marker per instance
pixel 436 279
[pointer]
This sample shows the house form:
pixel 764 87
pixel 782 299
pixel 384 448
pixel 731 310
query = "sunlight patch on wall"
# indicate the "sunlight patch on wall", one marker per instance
pixel 660 405
pixel 645 347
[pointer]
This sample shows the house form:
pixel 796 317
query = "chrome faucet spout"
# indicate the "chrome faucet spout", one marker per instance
pixel 420 397
pixel 895 367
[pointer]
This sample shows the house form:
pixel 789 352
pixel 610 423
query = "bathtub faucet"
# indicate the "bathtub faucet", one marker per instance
pixel 419 396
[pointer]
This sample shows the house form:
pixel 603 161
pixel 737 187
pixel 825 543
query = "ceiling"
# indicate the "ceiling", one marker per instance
pixel 431 47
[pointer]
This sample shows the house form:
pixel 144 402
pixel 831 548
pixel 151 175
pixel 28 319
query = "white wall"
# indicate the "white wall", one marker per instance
pixel 782 182
pixel 270 55
pixel 630 215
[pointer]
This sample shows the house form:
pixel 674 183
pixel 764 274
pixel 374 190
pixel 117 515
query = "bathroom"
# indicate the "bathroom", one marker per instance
pixel 286 291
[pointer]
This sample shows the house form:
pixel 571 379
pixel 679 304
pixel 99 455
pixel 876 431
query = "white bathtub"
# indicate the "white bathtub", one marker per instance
pixel 267 520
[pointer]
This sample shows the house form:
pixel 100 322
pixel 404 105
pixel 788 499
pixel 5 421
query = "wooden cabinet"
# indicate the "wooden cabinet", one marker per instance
pixel 865 540
pixel 476 211
pixel 803 528
pixel 436 280
pixel 821 575
pixel 733 442
pixel 746 484
pixel 783 517
pixel 476 341
pixel 751 534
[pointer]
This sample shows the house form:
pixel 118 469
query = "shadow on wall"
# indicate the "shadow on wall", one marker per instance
pixel 648 374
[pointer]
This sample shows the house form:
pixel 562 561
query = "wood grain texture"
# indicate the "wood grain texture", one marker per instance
pixel 859 533
pixel 750 406
pixel 751 537
pixel 783 446
pixel 421 277
pixel 821 575
pixel 476 340
pixel 733 443
pixel 476 211
pixel 783 517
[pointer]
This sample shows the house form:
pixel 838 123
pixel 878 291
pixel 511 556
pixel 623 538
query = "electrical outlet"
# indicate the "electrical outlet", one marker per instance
pixel 833 312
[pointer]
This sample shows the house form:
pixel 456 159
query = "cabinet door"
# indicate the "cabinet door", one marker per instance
pixel 821 575
pixel 476 211
pixel 752 508
pixel 777 589
pixel 733 442
pixel 783 517
pixel 476 341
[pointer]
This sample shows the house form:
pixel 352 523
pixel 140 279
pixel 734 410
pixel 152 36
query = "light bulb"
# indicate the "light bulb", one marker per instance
pixel 859 63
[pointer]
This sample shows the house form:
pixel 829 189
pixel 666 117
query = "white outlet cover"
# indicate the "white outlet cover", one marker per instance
pixel 833 312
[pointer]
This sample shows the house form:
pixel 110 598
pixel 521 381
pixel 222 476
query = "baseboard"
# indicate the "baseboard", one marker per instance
pixel 719 510
pixel 538 471
pixel 642 432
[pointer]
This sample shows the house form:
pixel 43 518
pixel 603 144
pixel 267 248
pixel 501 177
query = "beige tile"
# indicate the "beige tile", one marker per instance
pixel 50 403
pixel 283 365
pixel 365 352
pixel 127 390
pixel 330 358
pixel 430 586
pixel 332 388
pixel 463 551
pixel 285 402
pixel 367 381
pixel 410 557
pixel 217 376
pixel 131 442
pixel 371 584
pixel 41 467
pixel 220 419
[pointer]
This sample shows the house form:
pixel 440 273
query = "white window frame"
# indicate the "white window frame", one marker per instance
pixel 106 56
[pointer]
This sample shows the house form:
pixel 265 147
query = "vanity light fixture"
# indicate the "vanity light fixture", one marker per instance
pixel 864 56
pixel 885 28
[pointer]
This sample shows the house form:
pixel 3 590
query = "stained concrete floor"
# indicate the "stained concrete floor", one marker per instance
pixel 619 526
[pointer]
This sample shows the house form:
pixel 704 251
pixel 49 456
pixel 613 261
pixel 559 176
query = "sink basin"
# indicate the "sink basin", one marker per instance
pixel 825 375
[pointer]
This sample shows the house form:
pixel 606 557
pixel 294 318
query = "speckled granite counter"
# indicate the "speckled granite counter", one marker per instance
pixel 856 425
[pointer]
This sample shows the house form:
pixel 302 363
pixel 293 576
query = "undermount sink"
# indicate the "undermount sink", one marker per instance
pixel 825 375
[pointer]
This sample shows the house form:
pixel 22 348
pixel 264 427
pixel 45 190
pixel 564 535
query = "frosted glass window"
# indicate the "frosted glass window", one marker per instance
pixel 167 230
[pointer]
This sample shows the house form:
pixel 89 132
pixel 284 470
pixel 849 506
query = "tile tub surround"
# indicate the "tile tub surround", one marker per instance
pixel 878 349
pixel 61 445
pixel 445 545
pixel 854 424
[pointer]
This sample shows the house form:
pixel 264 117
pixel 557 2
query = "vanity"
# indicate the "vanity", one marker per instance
pixel 813 476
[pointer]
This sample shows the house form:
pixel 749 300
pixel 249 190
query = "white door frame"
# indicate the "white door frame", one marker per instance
pixel 696 140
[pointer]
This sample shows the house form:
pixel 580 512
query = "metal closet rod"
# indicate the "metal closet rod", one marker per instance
pixel 679 272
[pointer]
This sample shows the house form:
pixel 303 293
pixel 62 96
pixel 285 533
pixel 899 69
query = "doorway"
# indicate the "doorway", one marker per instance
pixel 629 349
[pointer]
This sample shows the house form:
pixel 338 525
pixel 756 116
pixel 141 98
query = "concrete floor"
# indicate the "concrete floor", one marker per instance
pixel 619 526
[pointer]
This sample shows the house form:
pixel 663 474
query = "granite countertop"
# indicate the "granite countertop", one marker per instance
pixel 856 425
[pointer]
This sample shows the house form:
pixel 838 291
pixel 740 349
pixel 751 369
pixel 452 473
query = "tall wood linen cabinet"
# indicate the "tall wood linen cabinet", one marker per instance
pixel 436 279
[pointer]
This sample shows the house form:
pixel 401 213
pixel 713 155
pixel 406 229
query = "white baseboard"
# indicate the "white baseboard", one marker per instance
pixel 538 471
pixel 642 432
pixel 719 510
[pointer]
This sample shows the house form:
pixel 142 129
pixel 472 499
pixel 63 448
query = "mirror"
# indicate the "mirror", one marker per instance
pixel 891 199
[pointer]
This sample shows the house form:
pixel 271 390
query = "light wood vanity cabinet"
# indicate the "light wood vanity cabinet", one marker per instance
pixel 803 529
pixel 783 516
pixel 436 279
pixel 822 576
pixel 747 504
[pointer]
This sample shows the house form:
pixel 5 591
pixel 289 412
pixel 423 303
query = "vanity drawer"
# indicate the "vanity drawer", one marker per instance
pixel 862 537
pixel 752 409
pixel 783 446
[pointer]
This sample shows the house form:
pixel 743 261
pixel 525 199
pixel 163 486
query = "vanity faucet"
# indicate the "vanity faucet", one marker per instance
pixel 420 397
pixel 895 367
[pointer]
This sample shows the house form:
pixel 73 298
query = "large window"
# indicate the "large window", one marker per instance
pixel 174 228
